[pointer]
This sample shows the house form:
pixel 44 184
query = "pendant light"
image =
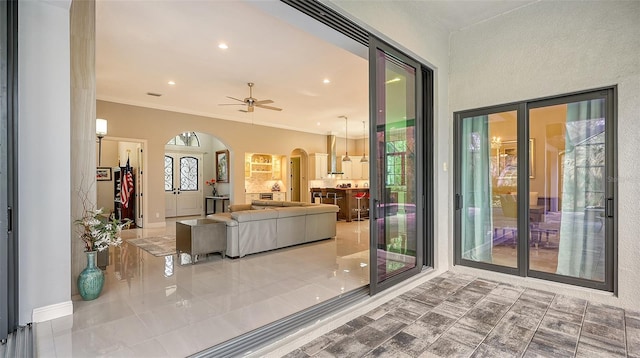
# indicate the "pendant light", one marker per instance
pixel 346 152
pixel 364 158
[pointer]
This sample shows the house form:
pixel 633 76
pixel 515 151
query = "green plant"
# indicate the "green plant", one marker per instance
pixel 98 232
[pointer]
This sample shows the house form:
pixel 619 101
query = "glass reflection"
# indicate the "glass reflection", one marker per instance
pixel 489 230
pixel 396 137
pixel 568 221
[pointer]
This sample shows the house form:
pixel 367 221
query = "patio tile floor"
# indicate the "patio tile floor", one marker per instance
pixel 457 315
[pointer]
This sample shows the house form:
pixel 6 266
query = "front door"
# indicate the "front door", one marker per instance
pixel 397 242
pixel 183 184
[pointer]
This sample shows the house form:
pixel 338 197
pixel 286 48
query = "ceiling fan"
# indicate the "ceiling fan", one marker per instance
pixel 251 102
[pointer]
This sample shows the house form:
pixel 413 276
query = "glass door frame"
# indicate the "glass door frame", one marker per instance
pixel 611 189
pixel 9 283
pixel 522 151
pixel 422 124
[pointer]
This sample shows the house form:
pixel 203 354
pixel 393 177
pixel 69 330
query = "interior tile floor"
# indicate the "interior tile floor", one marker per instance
pixel 455 315
pixel 154 307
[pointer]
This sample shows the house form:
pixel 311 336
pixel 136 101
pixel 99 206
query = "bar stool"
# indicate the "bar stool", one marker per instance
pixel 359 197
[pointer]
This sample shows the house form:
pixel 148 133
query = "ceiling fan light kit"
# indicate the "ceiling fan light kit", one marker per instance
pixel 251 102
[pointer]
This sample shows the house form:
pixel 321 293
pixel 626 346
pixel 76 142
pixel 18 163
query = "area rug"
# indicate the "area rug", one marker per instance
pixel 157 246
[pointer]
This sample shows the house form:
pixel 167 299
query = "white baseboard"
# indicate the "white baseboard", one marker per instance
pixel 50 312
pixel 155 225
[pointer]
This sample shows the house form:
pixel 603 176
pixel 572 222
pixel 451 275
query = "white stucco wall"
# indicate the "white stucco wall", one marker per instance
pixel 43 156
pixel 556 47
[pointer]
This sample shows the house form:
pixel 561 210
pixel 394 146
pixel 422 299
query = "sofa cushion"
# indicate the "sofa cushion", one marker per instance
pixel 321 208
pixel 291 211
pixel 254 215
pixel 239 207
pixel 223 217
pixel 293 203
pixel 267 203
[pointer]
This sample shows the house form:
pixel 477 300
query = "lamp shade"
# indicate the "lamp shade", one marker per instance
pixel 101 127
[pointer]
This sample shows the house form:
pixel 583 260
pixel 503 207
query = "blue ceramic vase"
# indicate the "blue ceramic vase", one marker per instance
pixel 91 279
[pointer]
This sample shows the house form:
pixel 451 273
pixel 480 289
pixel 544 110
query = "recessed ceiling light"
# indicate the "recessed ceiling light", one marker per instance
pixel 318 123
pixel 326 80
pixel 223 46
pixel 171 83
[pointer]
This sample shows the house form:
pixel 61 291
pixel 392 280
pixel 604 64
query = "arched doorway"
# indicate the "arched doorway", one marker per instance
pixel 190 173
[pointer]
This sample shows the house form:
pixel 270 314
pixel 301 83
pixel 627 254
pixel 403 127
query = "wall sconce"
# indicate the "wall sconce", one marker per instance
pixel 101 131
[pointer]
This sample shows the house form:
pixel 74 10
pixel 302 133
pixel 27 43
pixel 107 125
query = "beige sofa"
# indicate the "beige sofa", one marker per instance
pixel 267 225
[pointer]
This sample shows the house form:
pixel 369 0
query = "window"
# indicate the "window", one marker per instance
pixel 186 139
pixel 168 173
pixel 532 195
pixel 396 154
pixel 188 174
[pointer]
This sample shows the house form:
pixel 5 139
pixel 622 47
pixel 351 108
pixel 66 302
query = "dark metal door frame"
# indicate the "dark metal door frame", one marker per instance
pixel 8 167
pixel 376 44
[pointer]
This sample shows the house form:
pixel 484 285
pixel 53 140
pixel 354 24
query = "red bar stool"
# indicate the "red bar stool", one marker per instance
pixel 359 197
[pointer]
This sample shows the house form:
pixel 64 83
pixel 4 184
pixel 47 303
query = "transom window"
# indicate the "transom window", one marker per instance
pixel 186 139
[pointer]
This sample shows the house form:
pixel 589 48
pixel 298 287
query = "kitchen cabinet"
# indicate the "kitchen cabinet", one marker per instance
pixel 251 196
pixel 355 169
pixel 276 195
pixel 347 169
pixel 263 166
pixel 261 163
pixel 363 171
pixel 318 166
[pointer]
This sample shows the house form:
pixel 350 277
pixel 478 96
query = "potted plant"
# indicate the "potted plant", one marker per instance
pixel 98 233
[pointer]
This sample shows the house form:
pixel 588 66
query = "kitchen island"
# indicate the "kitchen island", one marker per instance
pixel 346 200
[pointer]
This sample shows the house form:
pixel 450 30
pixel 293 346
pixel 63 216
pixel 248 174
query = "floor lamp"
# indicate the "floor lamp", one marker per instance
pixel 101 131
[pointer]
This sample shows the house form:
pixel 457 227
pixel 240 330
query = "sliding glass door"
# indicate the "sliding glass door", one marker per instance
pixel 397 240
pixel 488 200
pixel 534 188
pixel 571 224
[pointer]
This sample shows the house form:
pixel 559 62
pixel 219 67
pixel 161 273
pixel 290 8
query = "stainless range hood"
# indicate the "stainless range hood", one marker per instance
pixel 332 160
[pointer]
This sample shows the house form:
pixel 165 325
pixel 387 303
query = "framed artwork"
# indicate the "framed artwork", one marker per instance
pixel 222 166
pixel 103 173
pixel 509 159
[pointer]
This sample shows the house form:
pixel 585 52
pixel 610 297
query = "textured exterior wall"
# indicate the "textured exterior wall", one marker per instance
pixel 83 123
pixel 551 48
pixel 44 156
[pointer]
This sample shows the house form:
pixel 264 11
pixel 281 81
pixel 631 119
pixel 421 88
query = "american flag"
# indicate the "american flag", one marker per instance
pixel 126 185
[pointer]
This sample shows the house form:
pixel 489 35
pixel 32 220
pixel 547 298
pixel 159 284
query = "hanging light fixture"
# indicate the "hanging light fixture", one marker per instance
pixel 364 158
pixel 346 152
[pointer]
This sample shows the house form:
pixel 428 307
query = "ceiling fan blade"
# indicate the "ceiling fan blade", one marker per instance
pixel 237 99
pixel 269 107
pixel 264 101
pixel 231 104
pixel 242 110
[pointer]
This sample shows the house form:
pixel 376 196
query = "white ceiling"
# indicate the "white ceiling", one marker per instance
pixel 142 45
